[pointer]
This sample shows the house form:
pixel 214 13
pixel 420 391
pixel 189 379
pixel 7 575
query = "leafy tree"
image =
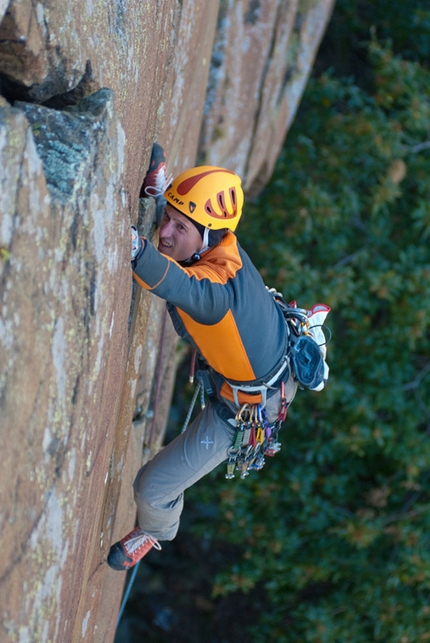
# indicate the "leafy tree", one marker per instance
pixel 333 535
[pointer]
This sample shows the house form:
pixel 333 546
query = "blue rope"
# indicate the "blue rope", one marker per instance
pixel 127 593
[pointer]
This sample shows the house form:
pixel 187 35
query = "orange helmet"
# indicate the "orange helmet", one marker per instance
pixel 212 196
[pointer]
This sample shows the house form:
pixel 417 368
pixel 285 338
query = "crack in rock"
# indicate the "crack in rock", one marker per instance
pixel 67 140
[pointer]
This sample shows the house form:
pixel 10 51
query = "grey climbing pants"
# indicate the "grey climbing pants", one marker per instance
pixel 160 484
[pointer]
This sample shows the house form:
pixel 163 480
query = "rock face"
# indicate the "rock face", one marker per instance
pixel 261 59
pixel 86 360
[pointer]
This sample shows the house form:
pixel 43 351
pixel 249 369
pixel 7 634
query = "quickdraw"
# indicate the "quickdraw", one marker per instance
pixel 255 438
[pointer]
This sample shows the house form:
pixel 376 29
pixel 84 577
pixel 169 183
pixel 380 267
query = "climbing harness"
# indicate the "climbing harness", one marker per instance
pixel 305 354
pixel 262 388
pixel 304 359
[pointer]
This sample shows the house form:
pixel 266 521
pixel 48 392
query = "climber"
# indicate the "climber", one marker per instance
pixel 217 302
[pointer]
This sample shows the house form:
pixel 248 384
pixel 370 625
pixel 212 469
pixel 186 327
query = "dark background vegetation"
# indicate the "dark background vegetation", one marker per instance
pixel 329 543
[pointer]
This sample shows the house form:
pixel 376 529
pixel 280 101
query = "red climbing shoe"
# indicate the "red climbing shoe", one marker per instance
pixel 128 551
pixel 156 179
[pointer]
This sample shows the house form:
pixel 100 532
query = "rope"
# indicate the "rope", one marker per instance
pixel 127 592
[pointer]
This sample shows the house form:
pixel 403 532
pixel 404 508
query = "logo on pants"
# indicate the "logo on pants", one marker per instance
pixel 207 442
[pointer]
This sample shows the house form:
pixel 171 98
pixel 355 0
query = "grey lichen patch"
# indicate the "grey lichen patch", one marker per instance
pixel 307 5
pixel 67 140
pixel 253 12
pixel 293 55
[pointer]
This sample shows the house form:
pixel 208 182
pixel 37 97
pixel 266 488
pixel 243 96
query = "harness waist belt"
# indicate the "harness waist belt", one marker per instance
pixel 259 388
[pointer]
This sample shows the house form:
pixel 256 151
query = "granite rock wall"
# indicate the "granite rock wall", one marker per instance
pixel 87 361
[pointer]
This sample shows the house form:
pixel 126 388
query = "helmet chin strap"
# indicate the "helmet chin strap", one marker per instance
pixel 196 256
pixel 205 241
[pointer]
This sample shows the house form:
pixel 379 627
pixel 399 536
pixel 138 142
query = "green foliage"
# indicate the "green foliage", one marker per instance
pixel 333 534
pixel 406 24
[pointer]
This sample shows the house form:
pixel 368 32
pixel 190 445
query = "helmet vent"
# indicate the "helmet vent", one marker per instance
pixel 221 203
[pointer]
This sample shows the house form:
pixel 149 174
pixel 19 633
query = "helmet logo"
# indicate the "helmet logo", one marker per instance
pixel 187 185
pixel 174 198
pixel 192 206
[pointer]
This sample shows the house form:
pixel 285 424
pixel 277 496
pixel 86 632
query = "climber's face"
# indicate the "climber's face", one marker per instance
pixel 179 238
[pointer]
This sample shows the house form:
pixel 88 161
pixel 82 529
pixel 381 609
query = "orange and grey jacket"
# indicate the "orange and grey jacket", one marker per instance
pixel 221 306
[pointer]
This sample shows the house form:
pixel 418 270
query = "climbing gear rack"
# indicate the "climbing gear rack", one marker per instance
pixel 255 438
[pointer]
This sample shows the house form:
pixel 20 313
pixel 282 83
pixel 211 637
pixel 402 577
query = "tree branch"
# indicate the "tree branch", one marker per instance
pixel 417 381
pixel 419 147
